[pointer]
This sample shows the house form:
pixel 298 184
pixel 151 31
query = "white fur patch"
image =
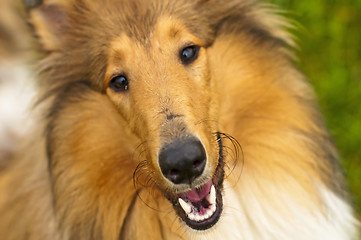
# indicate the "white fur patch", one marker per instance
pixel 16 96
pixel 249 217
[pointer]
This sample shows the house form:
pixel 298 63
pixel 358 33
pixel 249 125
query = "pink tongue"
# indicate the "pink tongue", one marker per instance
pixel 197 195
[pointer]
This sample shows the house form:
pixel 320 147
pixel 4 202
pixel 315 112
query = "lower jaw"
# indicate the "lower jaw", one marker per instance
pixel 206 223
pixel 210 221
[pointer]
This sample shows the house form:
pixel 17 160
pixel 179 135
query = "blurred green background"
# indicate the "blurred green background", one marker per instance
pixel 329 36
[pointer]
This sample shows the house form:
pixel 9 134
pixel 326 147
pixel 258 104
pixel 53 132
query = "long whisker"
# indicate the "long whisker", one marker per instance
pixel 139 171
pixel 235 152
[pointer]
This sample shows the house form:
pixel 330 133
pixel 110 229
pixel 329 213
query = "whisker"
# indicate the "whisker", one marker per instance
pixel 234 153
pixel 141 170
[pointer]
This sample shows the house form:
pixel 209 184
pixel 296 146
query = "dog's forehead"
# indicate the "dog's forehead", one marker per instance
pixel 134 18
pixel 138 19
pixel 167 37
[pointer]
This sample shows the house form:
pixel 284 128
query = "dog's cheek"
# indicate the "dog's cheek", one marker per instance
pixel 99 152
pixel 122 103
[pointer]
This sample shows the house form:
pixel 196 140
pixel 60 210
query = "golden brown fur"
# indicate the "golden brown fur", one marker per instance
pixel 74 177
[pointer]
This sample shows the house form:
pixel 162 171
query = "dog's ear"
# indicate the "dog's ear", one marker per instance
pixel 49 18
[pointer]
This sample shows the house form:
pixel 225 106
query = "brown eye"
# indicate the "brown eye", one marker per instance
pixel 119 83
pixel 189 54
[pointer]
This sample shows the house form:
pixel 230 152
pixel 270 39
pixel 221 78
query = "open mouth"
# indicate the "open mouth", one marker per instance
pixel 200 208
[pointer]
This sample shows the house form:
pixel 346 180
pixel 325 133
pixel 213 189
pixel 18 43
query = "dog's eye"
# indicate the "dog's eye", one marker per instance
pixel 189 54
pixel 119 83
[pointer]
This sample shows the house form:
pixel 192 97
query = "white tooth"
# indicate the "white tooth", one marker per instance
pixel 198 218
pixel 186 207
pixel 192 217
pixel 212 196
pixel 210 211
pixel 213 208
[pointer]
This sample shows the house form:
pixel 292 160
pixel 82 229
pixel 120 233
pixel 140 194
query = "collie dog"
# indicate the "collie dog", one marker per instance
pixel 171 119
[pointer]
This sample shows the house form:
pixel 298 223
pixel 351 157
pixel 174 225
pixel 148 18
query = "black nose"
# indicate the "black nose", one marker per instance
pixel 182 161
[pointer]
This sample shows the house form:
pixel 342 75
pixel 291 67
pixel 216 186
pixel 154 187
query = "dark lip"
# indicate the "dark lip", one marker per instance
pixel 218 184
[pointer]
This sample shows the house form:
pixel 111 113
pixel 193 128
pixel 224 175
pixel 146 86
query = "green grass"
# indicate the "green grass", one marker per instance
pixel 330 55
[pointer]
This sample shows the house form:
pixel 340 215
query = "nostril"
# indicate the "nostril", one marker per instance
pixel 197 164
pixel 174 172
pixel 174 175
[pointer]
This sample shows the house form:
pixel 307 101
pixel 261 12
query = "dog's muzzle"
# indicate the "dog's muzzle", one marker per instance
pixel 182 162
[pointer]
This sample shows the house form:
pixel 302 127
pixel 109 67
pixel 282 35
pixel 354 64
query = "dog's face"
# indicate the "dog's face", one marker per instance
pixel 163 88
pixel 156 73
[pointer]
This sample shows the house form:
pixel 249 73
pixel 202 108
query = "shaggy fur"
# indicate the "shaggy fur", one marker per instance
pixel 90 169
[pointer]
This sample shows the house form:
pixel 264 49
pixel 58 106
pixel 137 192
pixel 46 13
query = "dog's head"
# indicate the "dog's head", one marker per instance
pixel 150 60
pixel 155 62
